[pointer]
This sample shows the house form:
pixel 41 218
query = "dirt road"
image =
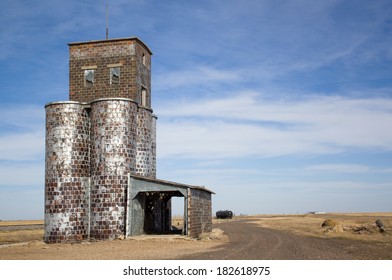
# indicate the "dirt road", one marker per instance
pixel 248 241
pixel 242 240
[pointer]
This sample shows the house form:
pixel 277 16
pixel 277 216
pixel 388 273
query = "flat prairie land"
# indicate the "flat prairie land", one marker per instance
pixel 21 231
pixel 357 232
pixel 355 226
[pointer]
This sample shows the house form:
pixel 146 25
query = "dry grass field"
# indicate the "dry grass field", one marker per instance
pixel 24 239
pixel 357 226
pixel 21 231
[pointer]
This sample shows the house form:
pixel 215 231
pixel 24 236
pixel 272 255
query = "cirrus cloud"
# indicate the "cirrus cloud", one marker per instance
pixel 250 125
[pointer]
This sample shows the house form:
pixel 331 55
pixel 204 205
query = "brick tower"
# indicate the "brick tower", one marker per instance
pixel 110 68
pixel 93 141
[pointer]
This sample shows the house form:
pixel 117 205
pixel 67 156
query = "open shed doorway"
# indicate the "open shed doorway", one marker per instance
pixel 158 212
pixel 178 214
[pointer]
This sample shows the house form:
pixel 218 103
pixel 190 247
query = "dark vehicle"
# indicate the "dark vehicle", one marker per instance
pixel 226 214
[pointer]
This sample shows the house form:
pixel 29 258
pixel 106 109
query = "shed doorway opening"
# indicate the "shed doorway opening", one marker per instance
pixel 158 212
pixel 178 214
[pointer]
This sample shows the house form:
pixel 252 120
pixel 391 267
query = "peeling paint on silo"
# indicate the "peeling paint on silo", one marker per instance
pixel 67 172
pixel 113 156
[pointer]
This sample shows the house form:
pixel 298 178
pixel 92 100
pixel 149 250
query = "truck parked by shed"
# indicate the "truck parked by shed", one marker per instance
pixel 224 214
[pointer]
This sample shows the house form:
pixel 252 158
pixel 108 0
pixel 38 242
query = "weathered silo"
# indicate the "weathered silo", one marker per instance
pixel 157 205
pixel 153 146
pixel 113 155
pixel 144 151
pixel 66 172
pixel 100 177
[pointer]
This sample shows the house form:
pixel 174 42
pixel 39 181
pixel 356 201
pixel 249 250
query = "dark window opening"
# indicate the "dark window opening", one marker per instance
pixel 114 75
pixel 88 77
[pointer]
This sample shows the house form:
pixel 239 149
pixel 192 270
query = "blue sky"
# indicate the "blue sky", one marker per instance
pixel 277 106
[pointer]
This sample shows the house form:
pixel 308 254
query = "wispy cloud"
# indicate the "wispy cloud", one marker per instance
pixel 198 76
pixel 42 26
pixel 340 168
pixel 322 46
pixel 19 174
pixel 22 146
pixel 22 116
pixel 249 125
pixel 22 134
pixel 347 169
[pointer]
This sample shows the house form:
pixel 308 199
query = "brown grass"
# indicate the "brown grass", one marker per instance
pixel 7 237
pixel 21 222
pixel 310 225
pixel 358 226
pixel 13 231
pixel 178 222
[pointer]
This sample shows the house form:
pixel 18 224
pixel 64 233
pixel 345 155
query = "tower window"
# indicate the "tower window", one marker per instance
pixel 88 77
pixel 144 97
pixel 144 59
pixel 114 75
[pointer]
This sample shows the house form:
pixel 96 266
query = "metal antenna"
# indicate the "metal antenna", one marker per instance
pixel 107 20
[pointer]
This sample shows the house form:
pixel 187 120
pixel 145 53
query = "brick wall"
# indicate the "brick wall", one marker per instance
pixel 113 153
pixel 89 153
pixel 144 153
pixel 199 212
pixel 67 172
pixel 91 147
pixel 129 54
pixel 153 146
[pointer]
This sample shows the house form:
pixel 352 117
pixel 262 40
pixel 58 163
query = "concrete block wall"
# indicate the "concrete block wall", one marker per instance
pixel 153 146
pixel 67 172
pixel 90 149
pixel 113 153
pixel 145 154
pixel 199 212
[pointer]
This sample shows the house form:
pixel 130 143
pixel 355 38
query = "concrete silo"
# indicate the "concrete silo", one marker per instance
pixel 67 172
pixel 100 175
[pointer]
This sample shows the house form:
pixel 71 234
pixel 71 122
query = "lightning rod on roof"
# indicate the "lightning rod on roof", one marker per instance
pixel 107 20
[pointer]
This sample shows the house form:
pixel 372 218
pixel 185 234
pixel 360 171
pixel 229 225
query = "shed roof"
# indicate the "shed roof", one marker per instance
pixel 172 184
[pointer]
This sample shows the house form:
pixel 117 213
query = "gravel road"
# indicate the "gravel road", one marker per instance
pixel 250 242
